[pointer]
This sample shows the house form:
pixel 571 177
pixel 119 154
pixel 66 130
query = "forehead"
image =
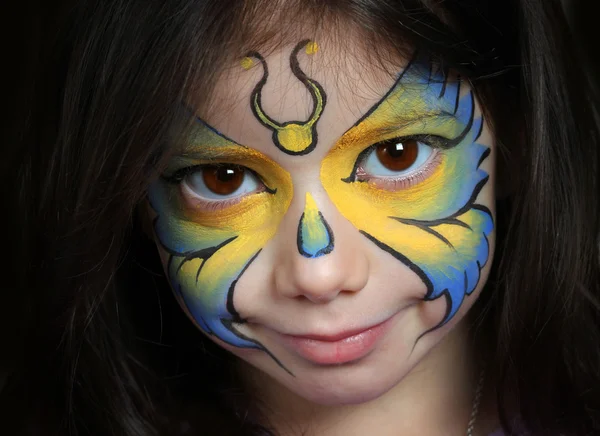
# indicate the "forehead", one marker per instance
pixel 352 81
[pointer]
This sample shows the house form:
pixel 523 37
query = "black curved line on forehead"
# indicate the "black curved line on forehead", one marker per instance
pixel 301 75
pixel 298 73
pixel 310 85
pixel 256 93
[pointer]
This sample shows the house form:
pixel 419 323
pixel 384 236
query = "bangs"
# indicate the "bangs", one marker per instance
pixel 371 32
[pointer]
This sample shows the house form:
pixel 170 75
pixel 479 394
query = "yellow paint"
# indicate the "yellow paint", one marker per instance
pixel 252 221
pixel 294 137
pixel 242 229
pixel 208 147
pixel 254 227
pixel 246 63
pixel 315 231
pixel 369 207
pixel 365 197
pixel 403 113
pixel 311 48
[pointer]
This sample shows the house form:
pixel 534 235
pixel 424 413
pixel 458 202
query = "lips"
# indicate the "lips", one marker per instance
pixel 336 349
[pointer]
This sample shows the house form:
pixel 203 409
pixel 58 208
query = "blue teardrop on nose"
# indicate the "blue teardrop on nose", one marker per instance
pixel 315 237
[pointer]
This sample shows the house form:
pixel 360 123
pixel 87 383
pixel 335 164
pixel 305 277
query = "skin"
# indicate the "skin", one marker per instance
pixel 371 252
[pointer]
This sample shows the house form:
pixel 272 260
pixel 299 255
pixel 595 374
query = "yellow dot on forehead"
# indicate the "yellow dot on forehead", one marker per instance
pixel 246 63
pixel 312 47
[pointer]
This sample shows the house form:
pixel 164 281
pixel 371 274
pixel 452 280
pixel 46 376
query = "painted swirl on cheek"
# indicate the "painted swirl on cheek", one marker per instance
pixel 435 226
pixel 210 248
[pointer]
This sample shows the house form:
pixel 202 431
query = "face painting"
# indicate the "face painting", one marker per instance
pixel 406 176
pixel 208 250
pixel 291 137
pixel 315 237
pixel 429 221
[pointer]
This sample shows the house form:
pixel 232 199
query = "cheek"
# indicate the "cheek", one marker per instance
pixel 206 250
pixel 178 293
pixel 203 264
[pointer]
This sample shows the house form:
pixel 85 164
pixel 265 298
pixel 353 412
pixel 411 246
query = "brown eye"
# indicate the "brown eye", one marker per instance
pixel 397 155
pixel 223 179
pixel 397 163
pixel 222 182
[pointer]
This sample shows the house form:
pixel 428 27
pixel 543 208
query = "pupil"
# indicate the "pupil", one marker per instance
pixel 223 180
pixel 398 155
pixel 225 174
pixel 395 150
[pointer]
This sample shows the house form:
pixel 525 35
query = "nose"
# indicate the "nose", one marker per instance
pixel 322 258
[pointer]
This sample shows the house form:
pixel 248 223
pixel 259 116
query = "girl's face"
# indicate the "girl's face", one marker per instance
pixel 330 225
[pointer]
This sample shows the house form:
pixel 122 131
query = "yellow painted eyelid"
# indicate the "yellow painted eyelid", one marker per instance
pixel 259 207
pixel 270 171
pixel 364 135
pixel 344 154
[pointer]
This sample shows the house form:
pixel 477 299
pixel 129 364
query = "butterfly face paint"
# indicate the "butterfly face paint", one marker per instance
pixel 210 243
pixel 220 203
pixel 425 216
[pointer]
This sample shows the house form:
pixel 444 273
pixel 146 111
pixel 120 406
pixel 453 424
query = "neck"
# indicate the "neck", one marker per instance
pixel 435 398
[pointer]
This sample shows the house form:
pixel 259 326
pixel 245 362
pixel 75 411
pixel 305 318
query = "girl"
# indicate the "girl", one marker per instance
pixel 318 218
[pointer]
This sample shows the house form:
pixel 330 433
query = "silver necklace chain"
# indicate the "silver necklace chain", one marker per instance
pixel 476 403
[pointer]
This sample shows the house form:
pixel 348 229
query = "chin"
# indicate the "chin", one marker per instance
pixel 344 385
pixel 343 397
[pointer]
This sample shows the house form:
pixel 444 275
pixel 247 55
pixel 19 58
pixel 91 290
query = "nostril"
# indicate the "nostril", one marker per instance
pixel 320 297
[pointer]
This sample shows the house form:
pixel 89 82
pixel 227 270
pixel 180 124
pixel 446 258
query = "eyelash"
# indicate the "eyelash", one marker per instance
pixel 436 143
pixel 210 205
pixel 404 182
pixel 178 178
pixel 180 174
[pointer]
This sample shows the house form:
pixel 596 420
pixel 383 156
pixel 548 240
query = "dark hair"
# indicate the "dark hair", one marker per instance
pixel 92 340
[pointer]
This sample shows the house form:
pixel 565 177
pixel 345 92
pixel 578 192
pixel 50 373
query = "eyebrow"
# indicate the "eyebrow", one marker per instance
pixel 206 141
pixel 205 151
pixel 401 121
pixel 206 127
